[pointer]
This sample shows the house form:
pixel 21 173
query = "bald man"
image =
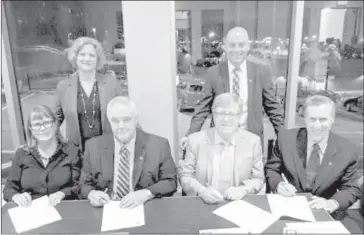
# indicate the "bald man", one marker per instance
pixel 247 77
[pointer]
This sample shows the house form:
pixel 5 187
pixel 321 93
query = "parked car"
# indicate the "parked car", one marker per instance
pixel 354 104
pixel 189 93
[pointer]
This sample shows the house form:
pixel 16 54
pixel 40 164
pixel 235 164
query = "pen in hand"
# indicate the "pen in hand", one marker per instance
pixel 289 186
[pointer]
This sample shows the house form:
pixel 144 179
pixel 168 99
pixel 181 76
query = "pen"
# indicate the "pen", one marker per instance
pixel 284 178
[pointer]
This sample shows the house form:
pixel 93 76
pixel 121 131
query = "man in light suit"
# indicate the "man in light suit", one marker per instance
pixel 248 78
pixel 224 162
pixel 129 165
pixel 315 160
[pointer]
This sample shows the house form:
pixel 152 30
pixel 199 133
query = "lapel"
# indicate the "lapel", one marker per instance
pixel 208 152
pixel 101 81
pixel 224 74
pixel 240 149
pixel 139 154
pixel 71 95
pixel 326 164
pixel 251 76
pixel 300 154
pixel 107 157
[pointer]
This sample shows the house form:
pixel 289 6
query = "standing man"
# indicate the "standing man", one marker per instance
pixel 129 165
pixel 245 77
pixel 315 160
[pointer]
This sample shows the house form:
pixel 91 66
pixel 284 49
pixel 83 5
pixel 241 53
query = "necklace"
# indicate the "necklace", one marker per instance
pixel 91 124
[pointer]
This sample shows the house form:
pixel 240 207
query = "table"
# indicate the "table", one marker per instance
pixel 165 215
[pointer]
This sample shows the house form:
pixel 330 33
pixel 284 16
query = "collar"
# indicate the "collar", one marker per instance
pixel 219 140
pixel 231 66
pixel 322 143
pixel 128 145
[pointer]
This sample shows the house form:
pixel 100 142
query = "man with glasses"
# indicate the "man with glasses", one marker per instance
pixel 130 165
pixel 247 77
pixel 225 161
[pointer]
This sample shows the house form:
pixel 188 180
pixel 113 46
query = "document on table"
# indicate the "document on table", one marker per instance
pixel 296 207
pixel 318 227
pixel 38 214
pixel 114 217
pixel 225 230
pixel 246 215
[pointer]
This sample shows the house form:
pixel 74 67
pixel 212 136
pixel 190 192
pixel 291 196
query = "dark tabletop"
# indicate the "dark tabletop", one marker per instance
pixel 166 215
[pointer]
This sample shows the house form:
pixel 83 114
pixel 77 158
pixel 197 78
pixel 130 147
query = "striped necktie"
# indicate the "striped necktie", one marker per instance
pixel 123 178
pixel 312 166
pixel 236 82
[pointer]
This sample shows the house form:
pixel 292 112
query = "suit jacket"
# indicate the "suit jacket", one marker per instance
pixel 260 95
pixel 353 219
pixel 154 168
pixel 197 168
pixel 66 104
pixel 337 176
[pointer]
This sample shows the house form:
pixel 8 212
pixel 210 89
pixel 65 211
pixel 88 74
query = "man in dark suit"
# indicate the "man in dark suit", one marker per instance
pixel 129 165
pixel 248 78
pixel 315 160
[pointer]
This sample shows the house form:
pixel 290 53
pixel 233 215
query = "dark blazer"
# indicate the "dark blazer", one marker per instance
pixel 353 220
pixel 27 173
pixel 154 168
pixel 260 95
pixel 66 104
pixel 336 178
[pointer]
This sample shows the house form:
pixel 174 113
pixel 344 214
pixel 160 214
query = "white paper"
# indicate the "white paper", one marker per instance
pixel 318 227
pixel 296 207
pixel 224 230
pixel 114 217
pixel 38 214
pixel 246 215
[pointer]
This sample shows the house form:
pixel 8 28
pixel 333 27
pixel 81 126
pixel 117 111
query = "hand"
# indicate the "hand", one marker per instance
pixel 56 198
pixel 183 143
pixel 323 203
pixel 235 193
pixel 134 199
pixel 98 198
pixel 210 195
pixel 22 199
pixel 286 189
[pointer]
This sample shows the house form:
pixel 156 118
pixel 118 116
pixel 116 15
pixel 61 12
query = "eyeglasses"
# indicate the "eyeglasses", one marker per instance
pixel 226 114
pixel 37 126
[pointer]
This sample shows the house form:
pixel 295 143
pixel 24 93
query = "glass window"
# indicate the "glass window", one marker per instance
pixel 331 62
pixel 39 34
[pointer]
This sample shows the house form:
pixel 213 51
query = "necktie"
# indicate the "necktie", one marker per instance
pixel 236 87
pixel 312 166
pixel 123 183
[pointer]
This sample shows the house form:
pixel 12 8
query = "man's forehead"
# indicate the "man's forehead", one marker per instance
pixel 237 34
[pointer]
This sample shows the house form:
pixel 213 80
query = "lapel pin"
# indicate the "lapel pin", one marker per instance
pixel 330 163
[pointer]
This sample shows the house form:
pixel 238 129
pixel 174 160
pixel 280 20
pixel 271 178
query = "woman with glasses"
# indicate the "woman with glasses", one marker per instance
pixel 46 165
pixel 81 100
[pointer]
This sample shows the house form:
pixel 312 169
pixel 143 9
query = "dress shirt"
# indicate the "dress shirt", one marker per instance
pixel 28 174
pixel 322 144
pixel 130 146
pixel 243 86
pixel 223 164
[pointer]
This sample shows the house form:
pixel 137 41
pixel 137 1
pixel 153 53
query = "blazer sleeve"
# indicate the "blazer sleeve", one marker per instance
pixel 256 180
pixel 271 105
pixel 13 182
pixel 349 190
pixel 273 167
pixel 167 184
pixel 57 108
pixel 187 170
pixel 86 182
pixel 203 108
pixel 76 164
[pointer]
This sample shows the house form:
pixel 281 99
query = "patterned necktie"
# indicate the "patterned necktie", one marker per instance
pixel 123 178
pixel 236 87
pixel 312 166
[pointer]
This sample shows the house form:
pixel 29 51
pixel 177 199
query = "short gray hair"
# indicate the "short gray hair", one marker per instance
pixel 225 100
pixel 124 101
pixel 317 100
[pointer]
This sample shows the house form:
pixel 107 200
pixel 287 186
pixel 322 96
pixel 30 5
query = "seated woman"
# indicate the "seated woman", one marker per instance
pixel 46 165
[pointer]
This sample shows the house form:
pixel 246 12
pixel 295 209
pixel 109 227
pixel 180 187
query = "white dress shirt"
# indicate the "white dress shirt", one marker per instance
pixel 243 86
pixel 130 146
pixel 322 144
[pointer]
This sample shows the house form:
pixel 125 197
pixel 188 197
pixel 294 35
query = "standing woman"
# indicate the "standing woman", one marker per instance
pixel 46 165
pixel 81 100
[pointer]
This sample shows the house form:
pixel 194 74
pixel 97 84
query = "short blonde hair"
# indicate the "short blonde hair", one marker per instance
pixel 225 100
pixel 124 101
pixel 318 100
pixel 78 44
